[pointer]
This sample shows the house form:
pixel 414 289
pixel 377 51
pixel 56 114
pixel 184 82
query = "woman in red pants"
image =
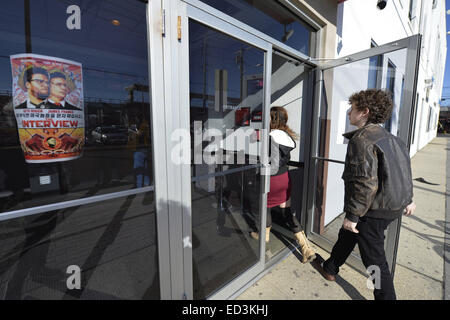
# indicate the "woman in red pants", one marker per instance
pixel 282 142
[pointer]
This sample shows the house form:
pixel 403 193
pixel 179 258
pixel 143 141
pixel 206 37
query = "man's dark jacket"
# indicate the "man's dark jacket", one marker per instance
pixel 67 106
pixel 377 174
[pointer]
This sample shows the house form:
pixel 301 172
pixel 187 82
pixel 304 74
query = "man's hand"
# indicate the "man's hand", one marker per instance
pixel 67 142
pixel 36 143
pixel 350 226
pixel 410 208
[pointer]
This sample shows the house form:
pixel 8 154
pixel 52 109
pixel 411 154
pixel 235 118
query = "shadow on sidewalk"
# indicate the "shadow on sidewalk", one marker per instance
pixel 350 290
pixel 433 191
pixel 439 225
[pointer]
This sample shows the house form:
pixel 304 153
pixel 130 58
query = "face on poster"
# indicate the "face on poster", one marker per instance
pixel 48 105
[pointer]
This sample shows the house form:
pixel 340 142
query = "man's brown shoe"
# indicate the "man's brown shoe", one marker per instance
pixel 317 264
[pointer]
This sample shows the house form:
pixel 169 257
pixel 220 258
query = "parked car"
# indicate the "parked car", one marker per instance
pixel 110 135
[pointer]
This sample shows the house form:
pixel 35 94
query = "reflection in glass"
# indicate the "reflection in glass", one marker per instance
pixel 222 248
pixel 374 80
pixel 289 90
pixel 390 86
pixel 226 105
pixel 112 243
pixel 116 154
pixel 345 80
pixel 271 18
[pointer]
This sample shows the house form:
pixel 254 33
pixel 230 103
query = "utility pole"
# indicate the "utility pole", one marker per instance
pixel 241 67
pixel 204 98
pixel 27 26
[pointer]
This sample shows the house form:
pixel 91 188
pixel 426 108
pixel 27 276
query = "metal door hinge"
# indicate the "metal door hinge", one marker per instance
pixel 179 28
pixel 163 26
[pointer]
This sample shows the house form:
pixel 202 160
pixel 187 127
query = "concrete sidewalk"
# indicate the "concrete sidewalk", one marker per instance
pixel 421 260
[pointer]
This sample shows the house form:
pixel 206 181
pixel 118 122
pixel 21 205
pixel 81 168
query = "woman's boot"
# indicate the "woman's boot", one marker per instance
pixel 308 253
pixel 267 234
pixel 255 235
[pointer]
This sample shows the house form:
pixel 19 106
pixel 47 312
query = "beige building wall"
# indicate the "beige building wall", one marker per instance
pixel 324 13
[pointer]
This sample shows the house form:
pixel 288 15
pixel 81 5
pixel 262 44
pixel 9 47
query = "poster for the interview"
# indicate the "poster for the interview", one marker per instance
pixel 48 105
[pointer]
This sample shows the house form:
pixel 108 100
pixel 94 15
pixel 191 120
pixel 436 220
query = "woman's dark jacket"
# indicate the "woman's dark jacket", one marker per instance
pixel 377 174
pixel 280 148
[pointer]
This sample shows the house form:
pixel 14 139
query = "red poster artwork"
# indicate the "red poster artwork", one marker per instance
pixel 48 105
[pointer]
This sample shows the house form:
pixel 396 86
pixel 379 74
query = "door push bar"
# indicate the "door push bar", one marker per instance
pixel 330 160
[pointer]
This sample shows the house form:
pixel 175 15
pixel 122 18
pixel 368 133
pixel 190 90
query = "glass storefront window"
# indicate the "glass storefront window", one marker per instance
pixel 75 123
pixel 375 65
pixel 390 86
pixel 74 101
pixel 106 251
pixel 271 18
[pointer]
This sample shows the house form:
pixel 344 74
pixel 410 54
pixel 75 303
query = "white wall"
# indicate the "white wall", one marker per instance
pixel 362 22
pixel 432 65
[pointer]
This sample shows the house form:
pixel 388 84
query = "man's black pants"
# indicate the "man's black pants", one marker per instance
pixel 370 241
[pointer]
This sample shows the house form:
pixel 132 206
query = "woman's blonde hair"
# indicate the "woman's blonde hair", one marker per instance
pixel 278 120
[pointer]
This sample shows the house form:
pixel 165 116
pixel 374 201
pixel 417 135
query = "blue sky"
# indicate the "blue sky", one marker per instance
pixel 446 89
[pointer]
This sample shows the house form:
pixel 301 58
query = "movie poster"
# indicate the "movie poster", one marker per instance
pixel 48 105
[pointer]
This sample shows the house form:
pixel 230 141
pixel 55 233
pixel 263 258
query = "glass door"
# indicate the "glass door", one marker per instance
pixel 226 81
pixel 221 108
pixel 390 67
pixel 290 88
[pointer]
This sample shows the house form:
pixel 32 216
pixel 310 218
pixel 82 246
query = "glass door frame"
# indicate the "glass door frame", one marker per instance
pixel 412 44
pixel 283 49
pixel 171 23
pixel 289 52
pixel 213 22
pixel 170 101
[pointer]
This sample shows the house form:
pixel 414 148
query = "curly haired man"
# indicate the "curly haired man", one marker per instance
pixel 378 189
